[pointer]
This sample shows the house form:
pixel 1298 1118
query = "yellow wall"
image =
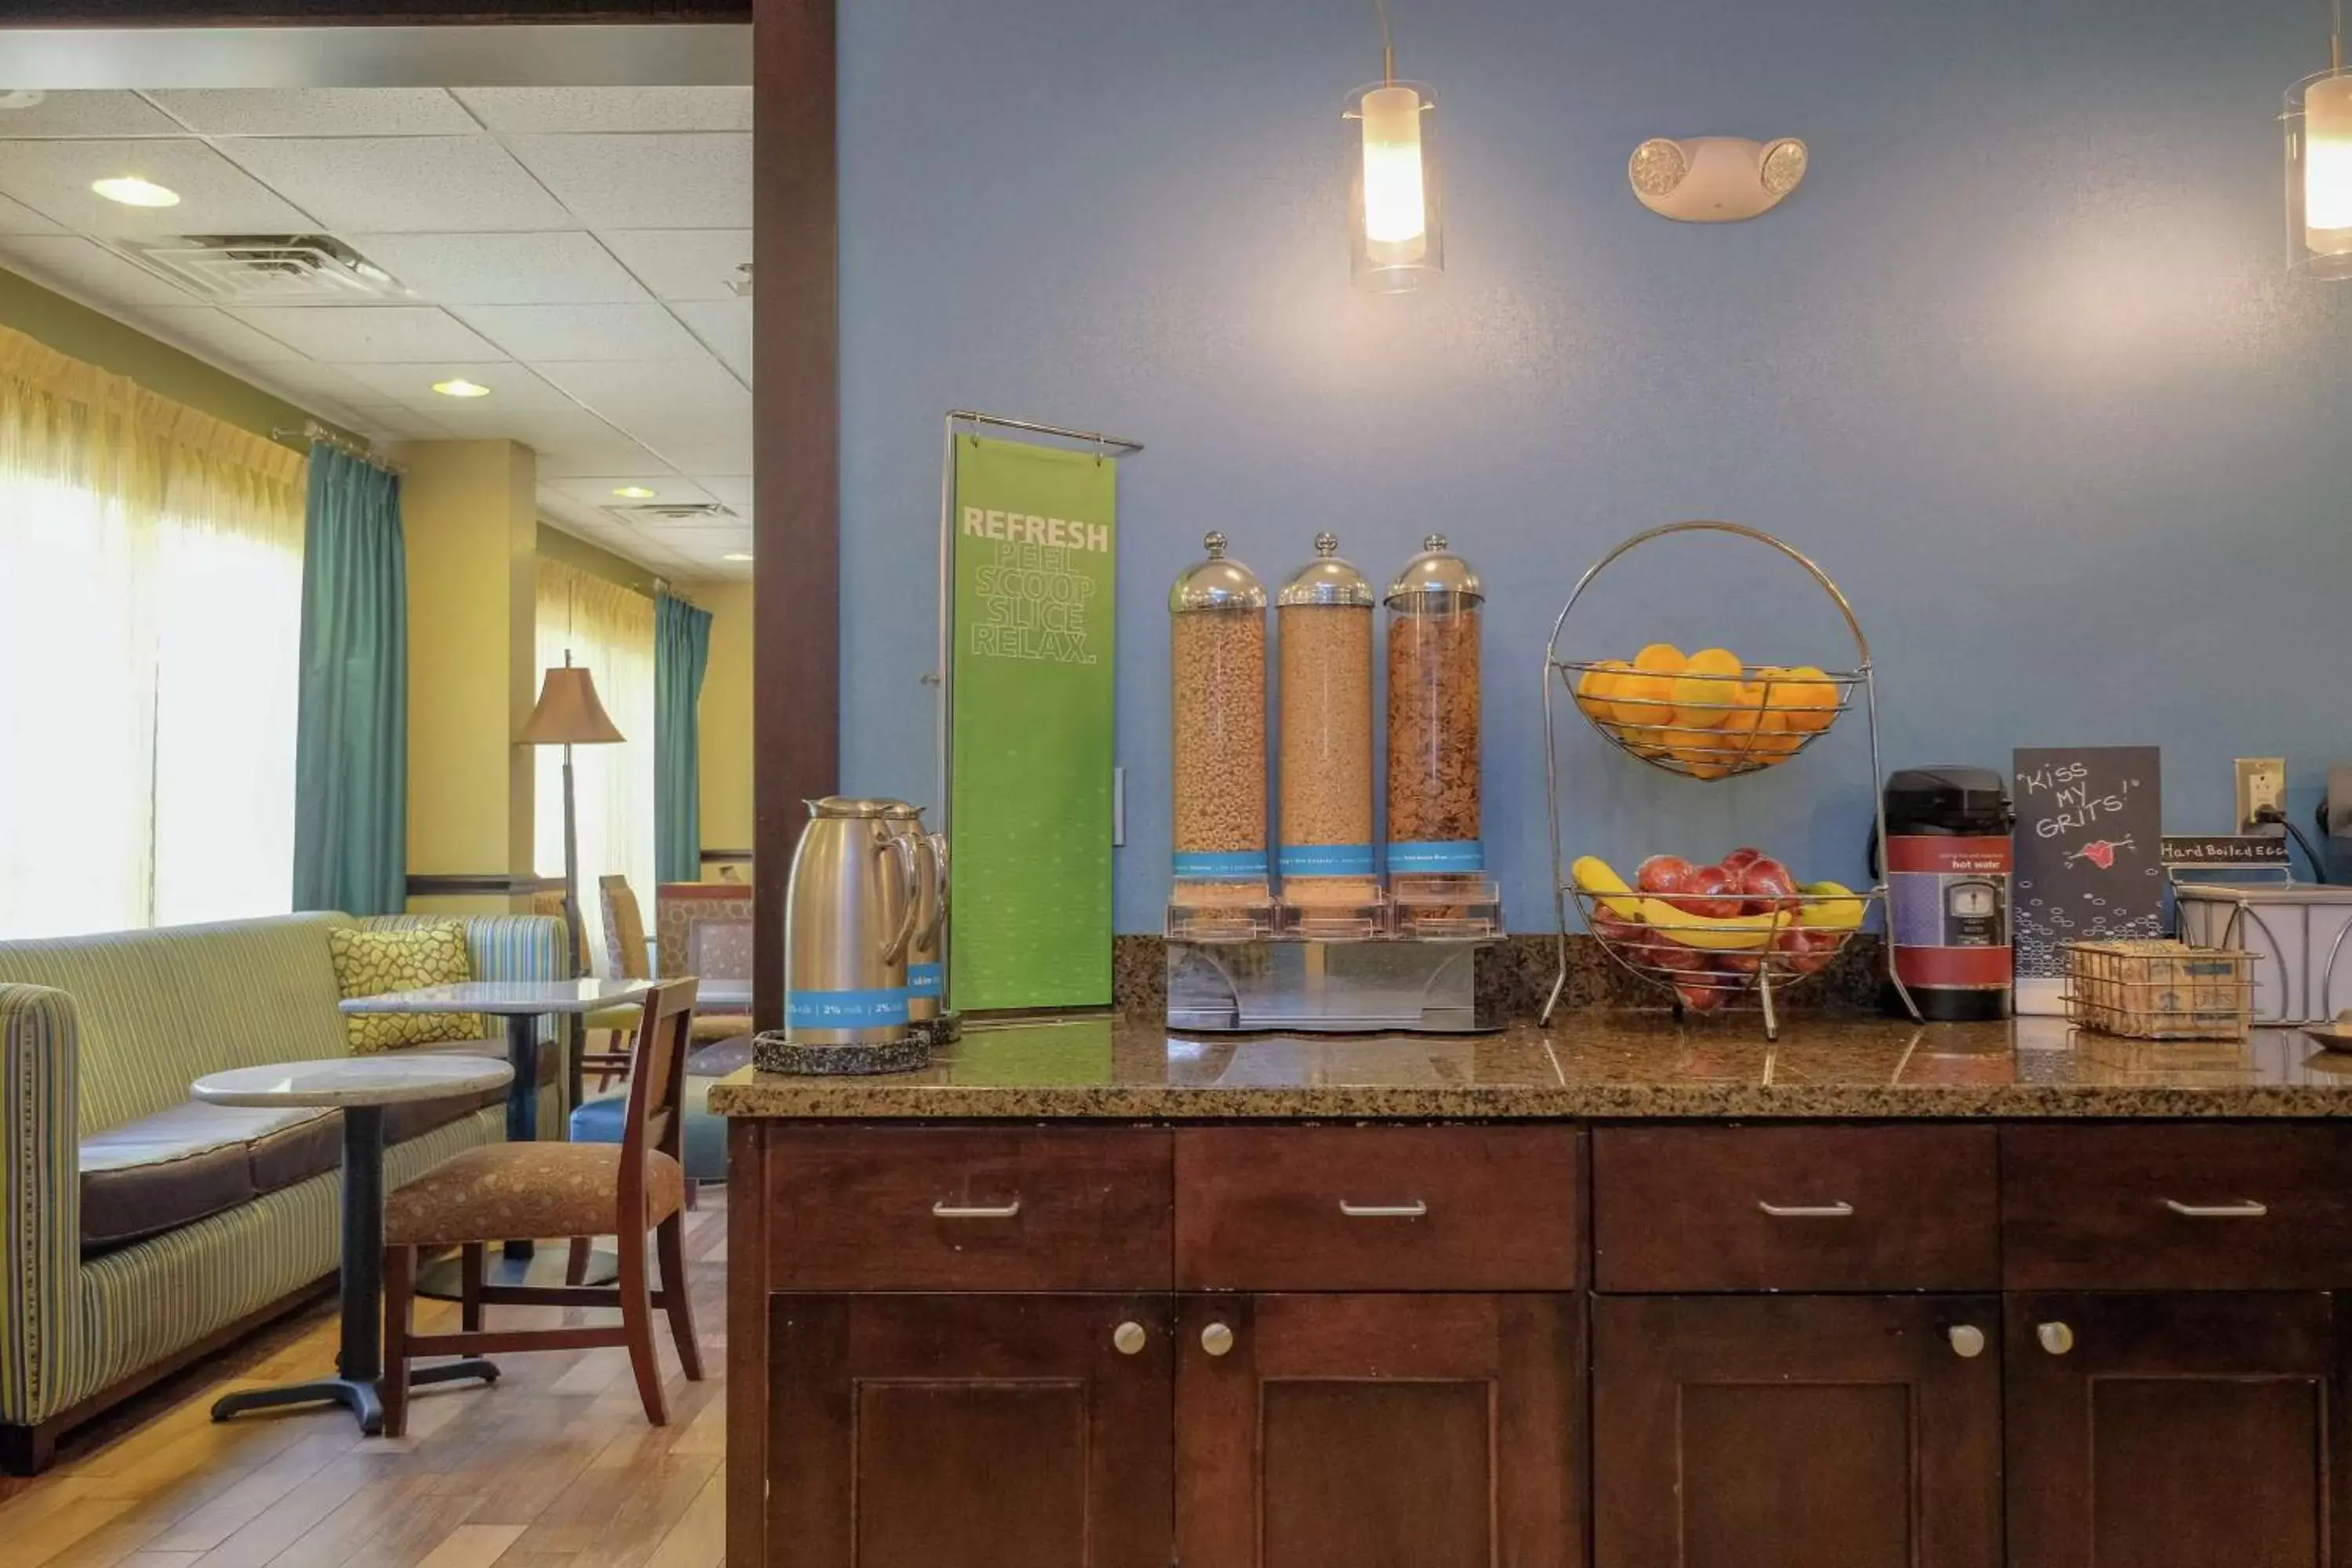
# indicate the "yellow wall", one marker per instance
pixel 470 515
pixel 726 716
pixel 100 340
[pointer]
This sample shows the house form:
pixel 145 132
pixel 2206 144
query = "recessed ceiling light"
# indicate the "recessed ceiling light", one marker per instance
pixel 461 387
pixel 735 557
pixel 634 492
pixel 133 191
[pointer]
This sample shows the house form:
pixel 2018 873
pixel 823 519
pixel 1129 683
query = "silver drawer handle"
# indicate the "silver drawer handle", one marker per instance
pixel 1413 1210
pixel 946 1210
pixel 2248 1209
pixel 1806 1211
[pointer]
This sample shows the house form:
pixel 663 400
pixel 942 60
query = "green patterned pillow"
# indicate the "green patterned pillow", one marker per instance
pixel 370 962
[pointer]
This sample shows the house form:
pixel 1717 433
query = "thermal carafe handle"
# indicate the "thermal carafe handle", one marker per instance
pixel 894 950
pixel 930 939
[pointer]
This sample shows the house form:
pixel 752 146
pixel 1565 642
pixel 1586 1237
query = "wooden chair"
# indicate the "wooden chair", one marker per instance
pixel 548 1189
pixel 624 949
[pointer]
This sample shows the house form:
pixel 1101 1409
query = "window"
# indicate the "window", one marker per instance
pixel 610 630
pixel 151 586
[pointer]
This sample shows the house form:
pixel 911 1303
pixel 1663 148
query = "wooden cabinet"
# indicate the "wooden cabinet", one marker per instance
pixel 2182 1430
pixel 1359 1431
pixel 1794 1432
pixel 982 1431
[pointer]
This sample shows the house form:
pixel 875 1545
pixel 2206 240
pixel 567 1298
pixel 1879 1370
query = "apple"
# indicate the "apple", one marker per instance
pixel 1663 874
pixel 1803 951
pixel 1740 860
pixel 1615 929
pixel 1740 962
pixel 1767 886
pixel 1699 995
pixel 1709 893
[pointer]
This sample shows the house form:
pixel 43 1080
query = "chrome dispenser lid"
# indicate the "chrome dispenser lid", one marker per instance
pixel 1216 584
pixel 1329 579
pixel 899 810
pixel 852 806
pixel 1435 572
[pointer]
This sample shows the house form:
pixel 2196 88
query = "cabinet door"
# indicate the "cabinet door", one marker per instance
pixel 1379 1432
pixel 1796 1432
pixel 969 1431
pixel 2175 1431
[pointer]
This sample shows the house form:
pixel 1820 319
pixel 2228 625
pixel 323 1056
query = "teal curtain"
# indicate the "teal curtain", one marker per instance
pixel 681 654
pixel 350 752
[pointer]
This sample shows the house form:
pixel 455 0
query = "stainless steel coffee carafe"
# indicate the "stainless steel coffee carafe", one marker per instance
pixel 926 976
pixel 849 917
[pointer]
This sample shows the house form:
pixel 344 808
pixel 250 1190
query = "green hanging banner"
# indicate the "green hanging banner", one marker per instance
pixel 1033 566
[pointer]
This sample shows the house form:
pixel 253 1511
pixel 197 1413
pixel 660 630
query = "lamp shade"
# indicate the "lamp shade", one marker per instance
pixel 568 713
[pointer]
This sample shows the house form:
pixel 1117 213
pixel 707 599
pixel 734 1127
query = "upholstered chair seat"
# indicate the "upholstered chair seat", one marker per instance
pixel 525 1189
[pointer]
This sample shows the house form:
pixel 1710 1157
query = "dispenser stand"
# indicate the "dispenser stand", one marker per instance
pixel 1318 986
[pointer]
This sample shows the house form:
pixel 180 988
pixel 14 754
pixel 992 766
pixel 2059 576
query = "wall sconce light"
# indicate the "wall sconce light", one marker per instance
pixel 1392 218
pixel 1714 179
pixel 2319 165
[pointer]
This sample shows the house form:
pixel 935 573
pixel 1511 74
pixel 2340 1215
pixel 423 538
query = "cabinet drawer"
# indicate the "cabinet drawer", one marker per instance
pixel 923 1208
pixel 2175 1207
pixel 1377 1209
pixel 1795 1208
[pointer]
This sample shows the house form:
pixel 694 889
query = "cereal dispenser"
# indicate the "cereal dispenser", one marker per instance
pixel 1330 885
pixel 1216 615
pixel 1438 884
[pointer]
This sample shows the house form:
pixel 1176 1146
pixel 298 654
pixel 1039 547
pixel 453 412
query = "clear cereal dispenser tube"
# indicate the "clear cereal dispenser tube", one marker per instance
pixel 1216 619
pixel 1438 885
pixel 1330 885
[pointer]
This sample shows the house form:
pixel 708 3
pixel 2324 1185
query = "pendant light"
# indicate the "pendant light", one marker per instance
pixel 1393 234
pixel 2319 165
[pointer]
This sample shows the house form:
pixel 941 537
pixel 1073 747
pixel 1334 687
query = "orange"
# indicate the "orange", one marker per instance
pixel 1643 700
pixel 1597 685
pixel 1773 740
pixel 1660 658
pixel 1710 679
pixel 1808 699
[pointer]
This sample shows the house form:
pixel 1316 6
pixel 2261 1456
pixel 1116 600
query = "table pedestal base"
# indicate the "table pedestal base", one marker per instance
pixel 360 1398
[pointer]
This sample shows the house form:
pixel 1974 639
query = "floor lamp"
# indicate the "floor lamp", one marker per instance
pixel 569 715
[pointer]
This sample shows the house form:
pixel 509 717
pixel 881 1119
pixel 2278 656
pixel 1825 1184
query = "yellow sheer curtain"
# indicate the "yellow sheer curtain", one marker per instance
pixel 609 630
pixel 151 570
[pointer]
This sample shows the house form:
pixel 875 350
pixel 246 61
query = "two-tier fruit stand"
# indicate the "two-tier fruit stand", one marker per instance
pixel 1723 737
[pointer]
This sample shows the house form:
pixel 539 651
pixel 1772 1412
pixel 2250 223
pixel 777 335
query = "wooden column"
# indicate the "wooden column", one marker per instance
pixel 796 661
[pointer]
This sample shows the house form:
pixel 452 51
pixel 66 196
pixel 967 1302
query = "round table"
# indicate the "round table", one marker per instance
pixel 360 1087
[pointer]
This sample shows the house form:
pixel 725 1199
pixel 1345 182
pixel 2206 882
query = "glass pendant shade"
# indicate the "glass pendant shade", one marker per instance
pixel 2319 175
pixel 1392 209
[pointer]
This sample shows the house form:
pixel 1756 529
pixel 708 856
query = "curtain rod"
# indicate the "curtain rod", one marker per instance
pixel 312 431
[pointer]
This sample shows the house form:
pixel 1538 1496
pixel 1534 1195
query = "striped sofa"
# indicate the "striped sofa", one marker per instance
pixel 100 1032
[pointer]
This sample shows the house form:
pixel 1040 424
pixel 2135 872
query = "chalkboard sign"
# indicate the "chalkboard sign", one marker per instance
pixel 2090 858
pixel 2223 852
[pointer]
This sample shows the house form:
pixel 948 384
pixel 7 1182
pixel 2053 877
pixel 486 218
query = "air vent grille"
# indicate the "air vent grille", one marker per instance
pixel 265 269
pixel 674 514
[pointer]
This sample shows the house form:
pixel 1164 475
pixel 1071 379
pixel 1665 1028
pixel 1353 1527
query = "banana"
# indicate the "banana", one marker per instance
pixel 1595 876
pixel 1734 933
pixel 1830 906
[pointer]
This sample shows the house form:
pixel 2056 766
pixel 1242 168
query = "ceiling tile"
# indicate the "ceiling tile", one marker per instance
pixel 374 335
pixel 215 196
pixel 305 383
pixel 557 465
pixel 86 270
pixel 626 391
pixel 596 490
pixel 503 269
pixel 705 543
pixel 715 441
pixel 410 385
pixel 318 111
pixel 579 333
pixel 725 327
pixel 404 184
pixel 735 490
pixel 17 219
pixel 530 110
pixel 683 263
pixel 388 423
pixel 87 114
pixel 646 181
pixel 220 334
pixel 574 442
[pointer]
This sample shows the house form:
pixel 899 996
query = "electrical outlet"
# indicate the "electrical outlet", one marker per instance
pixel 2262 789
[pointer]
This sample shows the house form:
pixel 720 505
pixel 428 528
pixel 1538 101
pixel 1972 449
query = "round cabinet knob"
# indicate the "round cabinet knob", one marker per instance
pixel 1217 1339
pixel 2056 1338
pixel 1967 1340
pixel 1127 1338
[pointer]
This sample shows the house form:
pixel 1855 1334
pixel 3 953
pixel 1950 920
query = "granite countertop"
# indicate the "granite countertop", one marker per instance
pixel 1589 1063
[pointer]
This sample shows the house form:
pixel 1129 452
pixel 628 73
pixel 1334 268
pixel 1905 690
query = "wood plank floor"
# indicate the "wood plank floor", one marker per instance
pixel 552 1467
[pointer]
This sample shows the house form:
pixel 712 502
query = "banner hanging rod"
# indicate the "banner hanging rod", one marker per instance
pixel 1091 437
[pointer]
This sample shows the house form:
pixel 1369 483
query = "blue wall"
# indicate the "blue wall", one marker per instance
pixel 2018 364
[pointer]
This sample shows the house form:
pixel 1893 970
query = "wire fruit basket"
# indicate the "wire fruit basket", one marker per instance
pixel 1710 724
